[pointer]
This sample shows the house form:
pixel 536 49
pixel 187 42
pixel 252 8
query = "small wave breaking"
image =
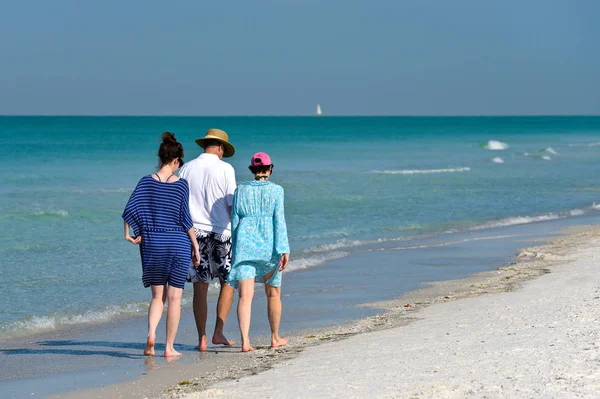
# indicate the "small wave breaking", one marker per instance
pixel 497 160
pixel 495 145
pixel 421 171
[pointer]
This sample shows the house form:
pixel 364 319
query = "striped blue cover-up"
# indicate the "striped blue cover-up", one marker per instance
pixel 160 213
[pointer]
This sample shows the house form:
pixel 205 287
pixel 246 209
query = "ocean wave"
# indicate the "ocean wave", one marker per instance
pixel 446 243
pixel 546 158
pixel 497 160
pixel 495 145
pixel 516 220
pixel 37 324
pixel 551 151
pixel 421 171
pixel 305 263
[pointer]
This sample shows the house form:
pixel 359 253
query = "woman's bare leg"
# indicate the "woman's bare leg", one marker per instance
pixel 244 311
pixel 274 312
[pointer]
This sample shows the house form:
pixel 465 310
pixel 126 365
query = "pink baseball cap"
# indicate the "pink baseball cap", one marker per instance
pixel 260 159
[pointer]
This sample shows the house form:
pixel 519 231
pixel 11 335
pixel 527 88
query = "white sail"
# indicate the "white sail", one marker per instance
pixel 319 112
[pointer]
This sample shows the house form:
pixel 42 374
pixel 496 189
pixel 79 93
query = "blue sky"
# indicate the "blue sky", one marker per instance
pixel 282 57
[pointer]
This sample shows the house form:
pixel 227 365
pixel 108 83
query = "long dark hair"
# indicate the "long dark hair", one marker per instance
pixel 169 149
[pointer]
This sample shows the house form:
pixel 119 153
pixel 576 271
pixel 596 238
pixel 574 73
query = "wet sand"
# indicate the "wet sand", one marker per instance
pixel 495 334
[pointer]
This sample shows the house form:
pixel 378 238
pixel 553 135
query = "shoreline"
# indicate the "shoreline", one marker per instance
pixel 179 381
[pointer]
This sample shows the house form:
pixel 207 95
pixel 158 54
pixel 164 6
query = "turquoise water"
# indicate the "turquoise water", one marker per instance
pixel 348 181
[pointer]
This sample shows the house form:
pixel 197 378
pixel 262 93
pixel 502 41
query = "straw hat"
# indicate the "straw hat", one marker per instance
pixel 220 136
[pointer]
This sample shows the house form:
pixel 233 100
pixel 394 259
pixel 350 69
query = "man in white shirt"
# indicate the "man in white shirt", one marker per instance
pixel 212 185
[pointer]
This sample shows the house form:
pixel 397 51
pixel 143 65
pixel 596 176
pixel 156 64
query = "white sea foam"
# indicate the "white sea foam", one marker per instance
pixel 526 154
pixel 576 212
pixel 422 171
pixel 551 151
pixel 497 160
pixel 546 158
pixel 495 145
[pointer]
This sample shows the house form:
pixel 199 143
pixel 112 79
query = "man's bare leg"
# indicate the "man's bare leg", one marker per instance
pixel 274 312
pixel 155 311
pixel 200 307
pixel 223 307
pixel 173 315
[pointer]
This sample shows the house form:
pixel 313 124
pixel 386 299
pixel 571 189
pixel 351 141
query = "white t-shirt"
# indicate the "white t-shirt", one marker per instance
pixel 212 184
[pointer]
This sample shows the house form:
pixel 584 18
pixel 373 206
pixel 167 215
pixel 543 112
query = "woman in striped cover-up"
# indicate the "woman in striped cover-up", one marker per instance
pixel 158 212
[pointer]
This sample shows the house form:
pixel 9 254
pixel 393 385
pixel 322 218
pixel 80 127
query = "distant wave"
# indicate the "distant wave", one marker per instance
pixel 546 158
pixel 115 190
pixel 497 160
pixel 551 151
pixel 495 145
pixel 60 212
pixel 585 145
pixel 421 171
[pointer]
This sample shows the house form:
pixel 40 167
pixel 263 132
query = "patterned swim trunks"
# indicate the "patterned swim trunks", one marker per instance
pixel 215 257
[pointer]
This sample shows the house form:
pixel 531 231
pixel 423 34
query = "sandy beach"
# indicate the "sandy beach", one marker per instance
pixel 528 329
pixel 538 341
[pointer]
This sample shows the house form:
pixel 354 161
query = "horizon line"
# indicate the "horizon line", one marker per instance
pixel 298 116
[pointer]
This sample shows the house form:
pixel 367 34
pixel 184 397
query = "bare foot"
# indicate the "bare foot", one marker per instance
pixel 219 339
pixel 171 353
pixel 247 348
pixel 276 343
pixel 149 351
pixel 202 345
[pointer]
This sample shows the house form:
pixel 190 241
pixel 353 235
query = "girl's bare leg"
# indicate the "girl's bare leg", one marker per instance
pixel 173 314
pixel 155 311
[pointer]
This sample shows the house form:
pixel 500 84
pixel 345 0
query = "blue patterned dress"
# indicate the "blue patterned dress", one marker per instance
pixel 259 232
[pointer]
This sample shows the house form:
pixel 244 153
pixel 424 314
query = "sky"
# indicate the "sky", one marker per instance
pixel 282 57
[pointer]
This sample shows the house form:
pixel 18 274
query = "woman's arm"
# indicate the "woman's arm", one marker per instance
pixel 235 217
pixel 128 237
pixel 280 232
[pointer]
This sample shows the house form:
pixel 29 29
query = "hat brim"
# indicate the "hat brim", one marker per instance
pixel 229 149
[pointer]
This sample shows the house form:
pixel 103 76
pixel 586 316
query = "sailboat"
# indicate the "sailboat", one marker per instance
pixel 319 112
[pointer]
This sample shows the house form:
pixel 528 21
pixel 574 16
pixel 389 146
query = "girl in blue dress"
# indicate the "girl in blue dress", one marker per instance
pixel 158 212
pixel 259 245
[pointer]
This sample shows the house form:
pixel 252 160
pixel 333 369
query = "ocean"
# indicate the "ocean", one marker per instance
pixel 349 182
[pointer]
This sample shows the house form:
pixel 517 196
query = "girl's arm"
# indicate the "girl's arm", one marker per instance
pixel 188 225
pixel 128 237
pixel 195 249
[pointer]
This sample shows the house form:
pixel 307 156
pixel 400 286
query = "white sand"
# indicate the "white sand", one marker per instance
pixel 540 341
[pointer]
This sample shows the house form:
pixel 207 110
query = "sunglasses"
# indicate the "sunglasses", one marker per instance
pixel 180 162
